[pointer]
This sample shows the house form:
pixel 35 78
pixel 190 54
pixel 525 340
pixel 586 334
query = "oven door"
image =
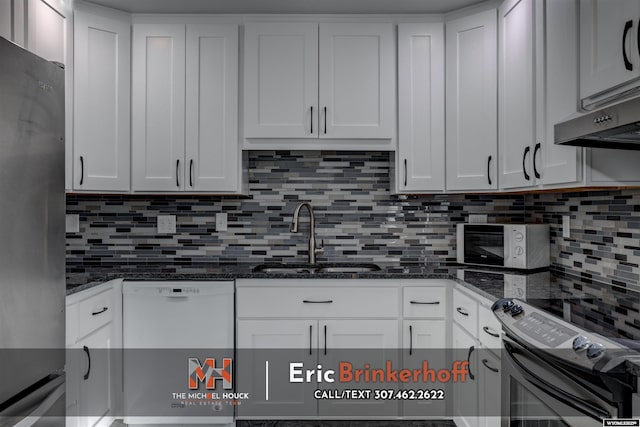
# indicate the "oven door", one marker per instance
pixel 535 392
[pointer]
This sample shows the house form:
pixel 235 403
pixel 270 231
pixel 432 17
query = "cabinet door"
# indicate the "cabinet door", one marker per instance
pixel 96 399
pixel 286 340
pixel 489 386
pixel 46 30
pixel 102 100
pixel 212 156
pixel 607 36
pixel 360 342
pixel 281 80
pixel 465 394
pixel 420 109
pixel 516 105
pixel 6 19
pixel 158 106
pixel 357 80
pixel 559 164
pixel 425 340
pixel 472 102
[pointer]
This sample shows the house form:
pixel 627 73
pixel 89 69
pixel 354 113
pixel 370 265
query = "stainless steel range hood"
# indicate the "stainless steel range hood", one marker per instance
pixel 616 126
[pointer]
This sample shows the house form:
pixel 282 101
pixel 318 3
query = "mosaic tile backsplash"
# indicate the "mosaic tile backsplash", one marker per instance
pixel 605 233
pixel 356 218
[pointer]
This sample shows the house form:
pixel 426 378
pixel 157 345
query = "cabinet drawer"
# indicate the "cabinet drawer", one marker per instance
pixel 425 302
pixel 488 328
pixel 465 312
pixel 314 302
pixel 95 312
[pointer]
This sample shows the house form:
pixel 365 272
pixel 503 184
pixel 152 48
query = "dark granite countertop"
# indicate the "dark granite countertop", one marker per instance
pixel 77 282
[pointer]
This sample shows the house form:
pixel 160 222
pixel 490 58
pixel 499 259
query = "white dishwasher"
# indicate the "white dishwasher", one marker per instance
pixel 168 328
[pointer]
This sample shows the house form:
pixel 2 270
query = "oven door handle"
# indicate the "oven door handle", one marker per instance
pixel 557 393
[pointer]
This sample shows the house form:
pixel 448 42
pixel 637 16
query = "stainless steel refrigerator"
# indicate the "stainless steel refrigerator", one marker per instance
pixel 32 239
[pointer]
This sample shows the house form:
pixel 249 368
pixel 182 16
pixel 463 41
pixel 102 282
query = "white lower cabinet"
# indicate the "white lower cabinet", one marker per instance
pixel 476 337
pixel 317 324
pixel 321 323
pixel 92 366
pixel 465 395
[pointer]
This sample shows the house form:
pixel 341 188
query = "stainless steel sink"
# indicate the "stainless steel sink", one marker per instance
pixel 281 268
pixel 353 268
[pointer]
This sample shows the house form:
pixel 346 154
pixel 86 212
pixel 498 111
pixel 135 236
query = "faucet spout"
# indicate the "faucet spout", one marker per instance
pixel 312 229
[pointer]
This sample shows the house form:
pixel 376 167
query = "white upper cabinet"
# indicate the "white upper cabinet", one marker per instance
pixel 212 159
pixel 47 30
pixel 158 103
pixel 517 93
pixel 184 101
pixel 420 159
pixel 281 80
pixel 102 100
pixel 472 102
pixel 559 164
pixel 609 50
pixel 307 80
pixel 357 80
pixel 6 19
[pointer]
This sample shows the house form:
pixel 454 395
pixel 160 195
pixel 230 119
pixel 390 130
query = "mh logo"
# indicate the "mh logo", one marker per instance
pixel 208 373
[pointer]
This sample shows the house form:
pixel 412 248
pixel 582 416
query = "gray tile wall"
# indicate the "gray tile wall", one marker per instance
pixel 356 216
pixel 605 232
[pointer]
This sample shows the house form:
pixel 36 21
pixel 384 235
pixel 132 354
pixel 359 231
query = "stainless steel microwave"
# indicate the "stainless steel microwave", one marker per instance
pixel 519 246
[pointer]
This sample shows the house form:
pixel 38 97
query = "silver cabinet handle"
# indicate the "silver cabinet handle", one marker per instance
pixel 328 301
pixel 425 302
pixel 489 170
pixel 310 339
pixel 471 350
pixel 312 120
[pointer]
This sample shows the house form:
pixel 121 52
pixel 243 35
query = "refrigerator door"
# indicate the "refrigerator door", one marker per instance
pixel 32 208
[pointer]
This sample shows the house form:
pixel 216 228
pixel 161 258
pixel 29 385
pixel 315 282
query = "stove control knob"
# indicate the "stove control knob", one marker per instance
pixel 580 343
pixel 595 350
pixel 506 305
pixel 516 309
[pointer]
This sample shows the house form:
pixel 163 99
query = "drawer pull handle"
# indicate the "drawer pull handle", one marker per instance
pixel 310 337
pixel 462 311
pixel 95 313
pixel 490 331
pixel 425 302
pixel 485 362
pixel 306 301
pixel 86 350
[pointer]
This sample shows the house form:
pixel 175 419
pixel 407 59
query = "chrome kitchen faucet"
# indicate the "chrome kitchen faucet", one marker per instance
pixel 313 249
